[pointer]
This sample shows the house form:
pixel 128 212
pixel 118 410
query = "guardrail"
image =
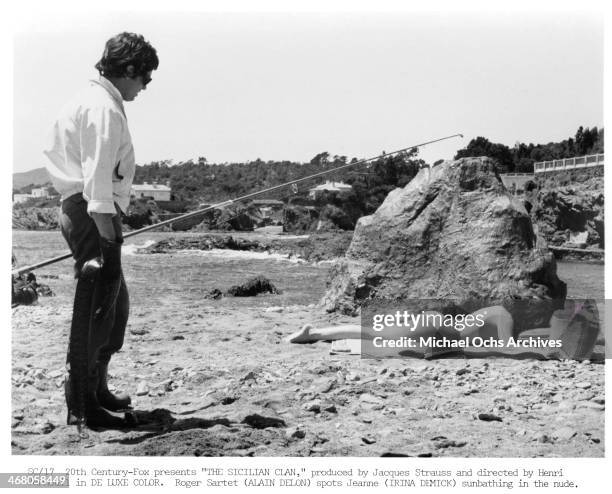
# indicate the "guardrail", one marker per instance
pixel 569 163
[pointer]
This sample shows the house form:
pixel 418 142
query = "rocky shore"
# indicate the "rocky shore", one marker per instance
pixel 312 248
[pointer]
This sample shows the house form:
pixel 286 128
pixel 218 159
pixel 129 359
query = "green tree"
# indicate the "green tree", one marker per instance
pixel 483 147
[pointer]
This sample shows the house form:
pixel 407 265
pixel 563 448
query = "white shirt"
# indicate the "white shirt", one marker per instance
pixel 90 149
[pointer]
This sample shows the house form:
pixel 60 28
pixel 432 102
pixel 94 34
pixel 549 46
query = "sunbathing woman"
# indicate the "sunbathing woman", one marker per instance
pixel 576 328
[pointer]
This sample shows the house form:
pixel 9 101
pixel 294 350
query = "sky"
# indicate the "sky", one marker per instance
pixel 234 87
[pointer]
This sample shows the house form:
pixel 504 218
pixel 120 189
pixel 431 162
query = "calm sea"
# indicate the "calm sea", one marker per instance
pixel 583 279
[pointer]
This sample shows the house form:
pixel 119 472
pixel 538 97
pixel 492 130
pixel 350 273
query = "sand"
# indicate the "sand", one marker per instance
pixel 217 378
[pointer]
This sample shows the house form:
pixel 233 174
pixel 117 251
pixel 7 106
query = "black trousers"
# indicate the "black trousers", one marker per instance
pixel 83 238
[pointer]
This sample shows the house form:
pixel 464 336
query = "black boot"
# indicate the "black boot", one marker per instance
pixel 94 415
pixel 108 400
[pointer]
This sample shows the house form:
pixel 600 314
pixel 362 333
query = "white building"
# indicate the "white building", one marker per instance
pixel 17 198
pixel 156 191
pixel 328 186
pixel 268 207
pixel 40 192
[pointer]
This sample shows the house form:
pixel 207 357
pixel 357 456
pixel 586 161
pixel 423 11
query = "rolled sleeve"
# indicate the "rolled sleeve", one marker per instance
pixel 101 207
pixel 100 142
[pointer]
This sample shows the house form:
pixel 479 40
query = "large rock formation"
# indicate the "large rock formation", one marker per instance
pixel 453 232
pixel 569 211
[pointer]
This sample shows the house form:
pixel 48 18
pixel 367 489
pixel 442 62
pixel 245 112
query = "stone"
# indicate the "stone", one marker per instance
pixel 214 294
pixel 139 331
pixel 249 376
pixel 252 287
pixel 327 386
pixel 39 374
pixel 368 439
pixel 142 389
pixel 295 433
pixel 261 422
pixel 564 433
pixel 489 417
pixel 453 231
pixel 444 443
pixel 371 399
pixel 44 428
pixel 313 406
pixel 543 438
pixel 316 450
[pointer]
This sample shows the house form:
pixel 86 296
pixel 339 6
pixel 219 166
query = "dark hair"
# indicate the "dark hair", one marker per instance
pixel 127 49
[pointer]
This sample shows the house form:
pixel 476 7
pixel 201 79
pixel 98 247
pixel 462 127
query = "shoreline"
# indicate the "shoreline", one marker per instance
pixel 293 244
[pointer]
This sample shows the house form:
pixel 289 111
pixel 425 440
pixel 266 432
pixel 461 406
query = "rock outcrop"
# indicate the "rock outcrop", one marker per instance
pixel 570 211
pixel 35 218
pixel 453 232
pixel 141 213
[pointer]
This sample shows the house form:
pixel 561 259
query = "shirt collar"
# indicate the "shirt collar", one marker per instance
pixel 112 90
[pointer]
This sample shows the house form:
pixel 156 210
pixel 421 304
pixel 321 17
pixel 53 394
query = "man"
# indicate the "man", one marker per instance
pixel 90 159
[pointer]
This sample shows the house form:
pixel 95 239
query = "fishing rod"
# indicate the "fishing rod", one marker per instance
pixel 25 269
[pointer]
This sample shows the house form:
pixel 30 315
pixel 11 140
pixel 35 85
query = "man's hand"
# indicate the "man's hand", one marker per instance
pixel 105 226
pixel 110 277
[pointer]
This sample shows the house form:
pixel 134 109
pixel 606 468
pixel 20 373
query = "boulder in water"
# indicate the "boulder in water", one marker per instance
pixel 252 287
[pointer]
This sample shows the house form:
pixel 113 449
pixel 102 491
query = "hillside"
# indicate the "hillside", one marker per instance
pixel 39 176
